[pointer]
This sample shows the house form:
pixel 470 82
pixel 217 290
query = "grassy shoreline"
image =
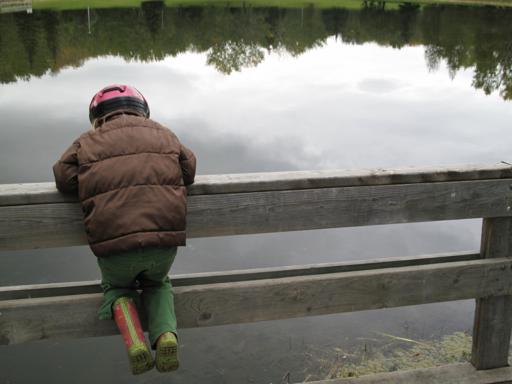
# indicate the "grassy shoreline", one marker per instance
pixel 353 4
pixel 388 353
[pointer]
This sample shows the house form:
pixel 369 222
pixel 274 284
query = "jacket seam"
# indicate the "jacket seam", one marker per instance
pixel 134 186
pixel 130 154
pixel 127 125
pixel 134 233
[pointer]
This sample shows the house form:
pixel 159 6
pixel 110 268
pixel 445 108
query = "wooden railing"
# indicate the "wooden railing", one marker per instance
pixel 37 216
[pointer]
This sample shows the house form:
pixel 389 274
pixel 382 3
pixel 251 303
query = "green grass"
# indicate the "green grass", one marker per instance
pixel 350 4
pixel 82 4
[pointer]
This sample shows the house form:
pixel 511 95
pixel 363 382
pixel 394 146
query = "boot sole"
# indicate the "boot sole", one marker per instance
pixel 141 359
pixel 167 356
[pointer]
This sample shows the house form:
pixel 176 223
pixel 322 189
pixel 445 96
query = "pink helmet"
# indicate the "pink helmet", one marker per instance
pixel 117 97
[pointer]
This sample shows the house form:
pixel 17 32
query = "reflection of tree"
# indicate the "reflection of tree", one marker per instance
pixel 153 12
pixel 234 55
pixel 373 22
pixel 408 13
pixel 14 61
pixel 298 30
pixel 50 21
pixel 494 71
pixel 237 37
pixel 479 38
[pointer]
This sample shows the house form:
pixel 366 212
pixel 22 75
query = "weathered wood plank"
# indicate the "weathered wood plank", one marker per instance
pixel 32 193
pixel 45 193
pixel 86 287
pixel 276 181
pixel 269 299
pixel 491 332
pixel 447 374
pixel 41 226
pixel 53 225
pixel 493 315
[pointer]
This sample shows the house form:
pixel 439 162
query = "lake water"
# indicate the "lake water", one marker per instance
pixel 254 89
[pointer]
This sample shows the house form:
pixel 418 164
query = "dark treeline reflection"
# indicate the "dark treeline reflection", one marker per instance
pixel 237 37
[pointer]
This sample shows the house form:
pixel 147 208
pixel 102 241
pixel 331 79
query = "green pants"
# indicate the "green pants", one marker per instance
pixel 126 273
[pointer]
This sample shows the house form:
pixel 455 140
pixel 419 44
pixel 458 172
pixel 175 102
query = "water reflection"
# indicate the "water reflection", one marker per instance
pixel 8 6
pixel 239 37
pixel 306 89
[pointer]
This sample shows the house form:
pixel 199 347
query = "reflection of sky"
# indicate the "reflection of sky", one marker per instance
pixel 337 106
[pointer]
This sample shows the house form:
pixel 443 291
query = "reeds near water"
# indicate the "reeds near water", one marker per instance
pixel 387 353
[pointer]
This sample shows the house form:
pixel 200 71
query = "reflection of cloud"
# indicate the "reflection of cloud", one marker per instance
pixel 28 148
pixel 380 85
pixel 218 152
pixel 315 118
pixel 221 152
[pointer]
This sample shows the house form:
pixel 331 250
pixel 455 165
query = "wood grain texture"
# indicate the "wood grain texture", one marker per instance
pixel 493 315
pixel 45 193
pixel 32 193
pixel 447 374
pixel 269 299
pixel 275 181
pixel 41 226
pixel 86 287
pixel 60 224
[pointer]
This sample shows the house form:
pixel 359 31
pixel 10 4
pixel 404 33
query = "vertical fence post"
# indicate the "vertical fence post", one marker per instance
pixel 493 315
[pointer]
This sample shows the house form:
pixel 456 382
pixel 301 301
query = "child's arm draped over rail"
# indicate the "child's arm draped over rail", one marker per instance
pixel 65 170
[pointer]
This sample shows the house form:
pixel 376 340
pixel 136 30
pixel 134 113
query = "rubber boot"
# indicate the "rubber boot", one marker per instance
pixel 127 320
pixel 167 352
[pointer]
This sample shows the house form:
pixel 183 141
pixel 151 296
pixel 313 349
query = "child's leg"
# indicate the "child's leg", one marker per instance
pixel 157 296
pixel 158 301
pixel 127 320
pixel 120 295
pixel 117 280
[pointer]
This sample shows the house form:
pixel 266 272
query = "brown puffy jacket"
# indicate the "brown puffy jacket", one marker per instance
pixel 130 175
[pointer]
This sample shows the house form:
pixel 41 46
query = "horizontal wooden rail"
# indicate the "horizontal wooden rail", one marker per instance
pixel 35 216
pixel 45 193
pixel 85 287
pixel 271 298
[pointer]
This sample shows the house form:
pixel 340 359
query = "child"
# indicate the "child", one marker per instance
pixel 130 174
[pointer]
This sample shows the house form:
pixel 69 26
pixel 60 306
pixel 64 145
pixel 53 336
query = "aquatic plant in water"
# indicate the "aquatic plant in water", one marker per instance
pixel 389 353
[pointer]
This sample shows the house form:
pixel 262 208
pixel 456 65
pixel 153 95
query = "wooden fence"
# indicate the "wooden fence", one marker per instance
pixel 37 216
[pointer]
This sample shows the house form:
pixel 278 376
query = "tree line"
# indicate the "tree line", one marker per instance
pixel 238 37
